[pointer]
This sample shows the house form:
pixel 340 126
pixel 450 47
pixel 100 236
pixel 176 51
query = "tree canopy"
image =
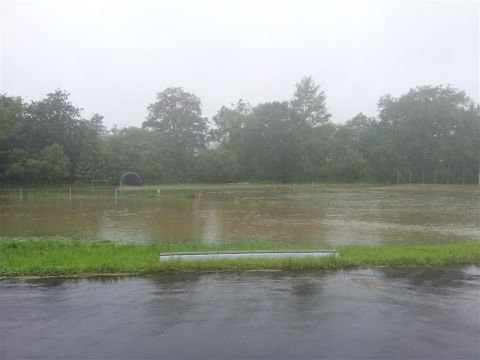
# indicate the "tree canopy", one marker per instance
pixel 430 129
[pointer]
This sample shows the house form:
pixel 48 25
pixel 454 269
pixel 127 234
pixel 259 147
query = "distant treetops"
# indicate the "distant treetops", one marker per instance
pixel 430 130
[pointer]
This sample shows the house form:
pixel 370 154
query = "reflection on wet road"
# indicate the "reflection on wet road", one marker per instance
pixel 382 314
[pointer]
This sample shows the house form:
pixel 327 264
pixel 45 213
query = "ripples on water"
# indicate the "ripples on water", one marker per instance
pixel 326 215
pixel 380 314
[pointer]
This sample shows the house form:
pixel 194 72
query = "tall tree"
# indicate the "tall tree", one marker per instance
pixel 177 116
pixel 426 126
pixel 308 103
pixel 278 143
pixel 55 120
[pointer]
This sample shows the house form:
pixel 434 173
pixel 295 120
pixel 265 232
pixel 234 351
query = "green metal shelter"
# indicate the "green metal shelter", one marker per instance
pixel 130 178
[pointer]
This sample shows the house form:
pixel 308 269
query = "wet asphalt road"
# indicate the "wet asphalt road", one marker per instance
pixel 382 314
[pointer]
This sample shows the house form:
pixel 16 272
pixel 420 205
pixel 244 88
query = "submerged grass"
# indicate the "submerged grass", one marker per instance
pixel 160 190
pixel 60 257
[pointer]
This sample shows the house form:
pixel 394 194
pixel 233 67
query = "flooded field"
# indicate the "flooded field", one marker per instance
pixel 324 215
pixel 383 314
pixel 378 313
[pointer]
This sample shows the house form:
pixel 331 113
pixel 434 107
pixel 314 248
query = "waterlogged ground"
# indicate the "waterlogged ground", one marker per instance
pixel 382 314
pixel 320 215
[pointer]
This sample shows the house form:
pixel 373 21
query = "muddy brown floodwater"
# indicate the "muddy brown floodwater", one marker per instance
pixel 363 314
pixel 326 215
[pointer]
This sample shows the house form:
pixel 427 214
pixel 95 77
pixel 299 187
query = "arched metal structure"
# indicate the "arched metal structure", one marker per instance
pixel 130 178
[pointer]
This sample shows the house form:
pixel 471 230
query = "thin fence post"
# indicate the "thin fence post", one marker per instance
pixel 398 177
pixel 21 194
pixel 435 178
pixel 463 175
pixel 410 177
pixel 70 193
pixel 423 177
pixel 116 194
pixel 294 187
pixel 448 174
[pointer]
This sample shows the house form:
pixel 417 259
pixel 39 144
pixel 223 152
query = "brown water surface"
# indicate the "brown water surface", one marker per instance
pixel 323 215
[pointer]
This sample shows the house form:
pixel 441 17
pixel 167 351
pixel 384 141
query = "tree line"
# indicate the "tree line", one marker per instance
pixel 429 129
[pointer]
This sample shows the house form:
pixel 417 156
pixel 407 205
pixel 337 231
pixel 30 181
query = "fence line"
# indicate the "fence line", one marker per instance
pixel 400 177
pixel 435 177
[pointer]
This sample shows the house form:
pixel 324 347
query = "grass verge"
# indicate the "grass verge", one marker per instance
pixel 59 257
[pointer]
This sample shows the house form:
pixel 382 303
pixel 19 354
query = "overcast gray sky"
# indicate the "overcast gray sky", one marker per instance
pixel 114 56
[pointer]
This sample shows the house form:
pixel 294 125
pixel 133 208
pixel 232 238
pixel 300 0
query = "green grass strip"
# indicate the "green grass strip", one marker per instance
pixel 60 257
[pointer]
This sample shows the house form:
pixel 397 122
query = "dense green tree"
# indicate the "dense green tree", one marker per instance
pixel 54 120
pixel 276 144
pixel 133 149
pixel 15 168
pixel 312 128
pixel 229 123
pixel 357 140
pixel 49 165
pixel 91 164
pixel 177 116
pixel 318 150
pixel 264 139
pixel 272 140
pixel 426 126
pixel 217 165
pixel 429 129
pixel 11 128
pixel 27 132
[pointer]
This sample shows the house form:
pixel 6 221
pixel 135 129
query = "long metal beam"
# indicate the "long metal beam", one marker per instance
pixel 216 255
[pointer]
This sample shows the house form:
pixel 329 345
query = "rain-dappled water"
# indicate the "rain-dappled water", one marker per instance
pixel 375 314
pixel 326 215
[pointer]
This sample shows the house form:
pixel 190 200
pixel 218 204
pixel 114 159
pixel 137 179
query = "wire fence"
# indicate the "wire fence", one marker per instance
pixel 435 177
pixel 398 177
pixel 189 191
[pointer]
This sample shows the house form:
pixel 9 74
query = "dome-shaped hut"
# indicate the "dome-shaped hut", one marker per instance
pixel 130 178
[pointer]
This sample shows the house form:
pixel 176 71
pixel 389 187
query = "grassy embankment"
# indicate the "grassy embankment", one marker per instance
pixel 57 257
